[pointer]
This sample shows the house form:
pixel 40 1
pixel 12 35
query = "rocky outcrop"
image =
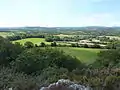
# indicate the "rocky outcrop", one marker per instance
pixel 65 85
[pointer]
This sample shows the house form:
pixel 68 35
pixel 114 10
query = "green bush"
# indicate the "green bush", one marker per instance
pixel 9 51
pixel 36 59
pixel 17 81
pixel 28 44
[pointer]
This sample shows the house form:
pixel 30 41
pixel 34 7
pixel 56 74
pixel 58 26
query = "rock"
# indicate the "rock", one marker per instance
pixel 63 84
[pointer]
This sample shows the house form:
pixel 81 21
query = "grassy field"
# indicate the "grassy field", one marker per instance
pixel 86 55
pixel 33 40
pixel 5 34
pixel 36 41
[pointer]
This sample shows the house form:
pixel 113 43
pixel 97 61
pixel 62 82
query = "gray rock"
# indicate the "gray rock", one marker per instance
pixel 63 84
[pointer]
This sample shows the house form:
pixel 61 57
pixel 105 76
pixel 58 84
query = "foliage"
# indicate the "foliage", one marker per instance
pixel 29 44
pixel 34 67
pixel 85 55
pixel 85 46
pixel 109 58
pixel 33 40
pixel 52 38
pixel 53 44
pixel 36 59
pixel 75 45
pixel 42 44
pixel 8 51
pixel 18 81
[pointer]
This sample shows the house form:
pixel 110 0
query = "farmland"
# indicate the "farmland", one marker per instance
pixel 33 40
pixel 60 53
pixel 86 55
pixel 37 41
pixel 5 34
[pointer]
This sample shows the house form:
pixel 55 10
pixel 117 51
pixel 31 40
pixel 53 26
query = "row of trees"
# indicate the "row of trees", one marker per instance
pixel 29 44
pixel 20 36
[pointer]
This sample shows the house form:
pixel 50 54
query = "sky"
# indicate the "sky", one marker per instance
pixel 59 13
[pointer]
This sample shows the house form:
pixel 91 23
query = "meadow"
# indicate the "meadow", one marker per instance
pixel 5 34
pixel 33 40
pixel 86 55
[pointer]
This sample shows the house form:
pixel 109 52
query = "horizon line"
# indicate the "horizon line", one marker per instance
pixel 54 26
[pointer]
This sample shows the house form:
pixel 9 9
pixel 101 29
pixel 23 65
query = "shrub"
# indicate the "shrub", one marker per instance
pixel 29 44
pixel 37 59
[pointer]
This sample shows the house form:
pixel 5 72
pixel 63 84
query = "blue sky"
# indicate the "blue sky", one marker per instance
pixel 59 13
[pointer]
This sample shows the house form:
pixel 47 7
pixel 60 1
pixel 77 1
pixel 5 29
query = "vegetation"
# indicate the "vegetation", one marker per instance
pixel 5 34
pixel 33 40
pixel 37 59
pixel 85 55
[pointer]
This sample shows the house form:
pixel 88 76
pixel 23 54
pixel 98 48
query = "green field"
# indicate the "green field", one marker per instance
pixel 33 40
pixel 36 41
pixel 86 55
pixel 5 34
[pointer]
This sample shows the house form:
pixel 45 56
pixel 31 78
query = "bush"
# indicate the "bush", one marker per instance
pixel 36 59
pixel 53 44
pixel 108 58
pixel 85 46
pixel 29 44
pixel 42 44
pixel 9 51
pixel 17 81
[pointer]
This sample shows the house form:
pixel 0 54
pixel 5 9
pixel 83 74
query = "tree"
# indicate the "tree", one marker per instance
pixel 73 45
pixel 96 46
pixel 49 39
pixel 36 59
pixel 42 44
pixel 85 46
pixel 9 51
pixel 36 45
pixel 108 58
pixel 29 44
pixel 53 44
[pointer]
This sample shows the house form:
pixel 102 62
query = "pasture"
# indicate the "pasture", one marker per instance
pixel 33 40
pixel 37 41
pixel 5 34
pixel 86 55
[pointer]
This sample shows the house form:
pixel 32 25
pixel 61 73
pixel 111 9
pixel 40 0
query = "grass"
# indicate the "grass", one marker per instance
pixel 5 34
pixel 33 40
pixel 86 55
pixel 37 41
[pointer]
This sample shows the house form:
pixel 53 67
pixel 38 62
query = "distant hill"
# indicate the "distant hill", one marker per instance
pixel 59 28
